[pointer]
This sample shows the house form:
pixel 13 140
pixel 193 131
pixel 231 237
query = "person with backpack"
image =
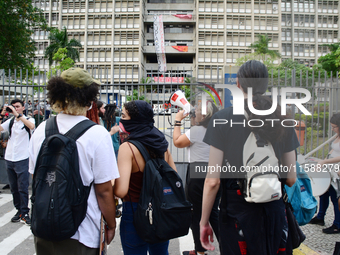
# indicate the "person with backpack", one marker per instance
pixel 72 162
pixel 138 124
pixel 249 227
pixel 16 158
pixel 332 158
pixel 197 151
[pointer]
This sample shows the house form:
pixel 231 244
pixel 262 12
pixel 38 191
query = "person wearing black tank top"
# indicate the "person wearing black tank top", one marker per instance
pixel 138 124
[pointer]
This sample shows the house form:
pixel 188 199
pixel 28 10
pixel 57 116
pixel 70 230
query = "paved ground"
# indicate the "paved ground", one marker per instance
pixel 316 239
pixel 17 239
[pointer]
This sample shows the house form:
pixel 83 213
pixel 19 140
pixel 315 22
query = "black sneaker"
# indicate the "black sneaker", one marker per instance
pixel 26 219
pixel 317 221
pixel 331 230
pixel 16 217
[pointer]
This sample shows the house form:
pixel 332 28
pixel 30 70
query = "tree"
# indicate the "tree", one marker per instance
pixel 17 20
pixel 59 39
pixel 135 96
pixel 261 47
pixel 62 62
pixel 330 62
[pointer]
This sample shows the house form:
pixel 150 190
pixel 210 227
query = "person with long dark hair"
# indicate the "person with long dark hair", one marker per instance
pixel 333 157
pixel 247 228
pixel 111 123
pixel 138 124
pixel 197 151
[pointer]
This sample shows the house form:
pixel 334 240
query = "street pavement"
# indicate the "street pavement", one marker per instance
pixel 17 239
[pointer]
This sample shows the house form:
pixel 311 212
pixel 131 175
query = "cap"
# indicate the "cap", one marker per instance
pixel 78 77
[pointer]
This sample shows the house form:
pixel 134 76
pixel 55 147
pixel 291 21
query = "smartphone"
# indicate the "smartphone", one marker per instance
pixel 8 109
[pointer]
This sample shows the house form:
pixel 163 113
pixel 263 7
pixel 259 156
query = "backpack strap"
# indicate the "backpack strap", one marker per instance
pixel 74 133
pixel 141 149
pixel 51 127
pixel 11 123
pixel 79 129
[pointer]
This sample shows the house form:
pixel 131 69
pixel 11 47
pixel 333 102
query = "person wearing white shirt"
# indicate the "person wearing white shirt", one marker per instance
pixel 16 158
pixel 97 162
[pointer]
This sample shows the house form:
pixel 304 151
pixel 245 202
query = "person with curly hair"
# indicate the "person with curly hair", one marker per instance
pixel 138 123
pixel 71 95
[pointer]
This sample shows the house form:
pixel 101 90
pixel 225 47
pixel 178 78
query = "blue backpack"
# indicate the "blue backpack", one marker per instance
pixel 300 196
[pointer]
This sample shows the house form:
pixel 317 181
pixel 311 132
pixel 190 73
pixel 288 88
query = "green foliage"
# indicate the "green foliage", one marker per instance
pixel 59 39
pixel 261 47
pixel 282 74
pixel 331 61
pixel 145 80
pixel 269 62
pixel 17 20
pixel 63 62
pixel 135 96
pixel 187 92
pixel 322 119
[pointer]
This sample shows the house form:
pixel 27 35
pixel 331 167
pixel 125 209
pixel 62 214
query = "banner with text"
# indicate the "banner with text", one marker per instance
pixel 159 42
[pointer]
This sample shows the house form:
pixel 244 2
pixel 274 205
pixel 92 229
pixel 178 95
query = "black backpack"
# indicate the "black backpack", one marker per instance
pixel 59 198
pixel 163 212
pixel 11 123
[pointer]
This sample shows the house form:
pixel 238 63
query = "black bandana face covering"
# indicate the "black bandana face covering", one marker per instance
pixel 142 129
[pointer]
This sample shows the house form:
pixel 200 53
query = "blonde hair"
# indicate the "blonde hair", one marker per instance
pixel 71 108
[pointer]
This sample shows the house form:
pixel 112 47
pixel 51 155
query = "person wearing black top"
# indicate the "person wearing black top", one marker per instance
pixel 247 228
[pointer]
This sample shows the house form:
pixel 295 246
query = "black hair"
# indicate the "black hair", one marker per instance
pixel 109 115
pixel 60 92
pixel 335 119
pixel 254 74
pixel 99 104
pixel 17 100
pixel 132 109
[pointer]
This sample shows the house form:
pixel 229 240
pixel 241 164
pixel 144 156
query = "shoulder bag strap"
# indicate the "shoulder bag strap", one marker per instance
pixel 141 149
pixel 134 155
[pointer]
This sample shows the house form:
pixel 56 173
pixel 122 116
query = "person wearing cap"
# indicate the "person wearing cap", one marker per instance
pixel 71 95
pixel 16 158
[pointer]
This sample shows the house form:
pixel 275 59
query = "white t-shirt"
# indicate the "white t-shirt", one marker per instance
pixel 17 146
pixel 198 151
pixel 97 163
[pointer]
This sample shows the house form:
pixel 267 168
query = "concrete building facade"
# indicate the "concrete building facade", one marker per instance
pixel 118 37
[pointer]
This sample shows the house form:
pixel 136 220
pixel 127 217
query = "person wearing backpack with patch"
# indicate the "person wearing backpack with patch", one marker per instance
pixel 16 158
pixel 140 140
pixel 251 222
pixel 73 163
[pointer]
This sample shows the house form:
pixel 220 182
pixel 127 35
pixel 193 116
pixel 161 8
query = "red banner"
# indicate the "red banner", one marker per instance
pixel 181 48
pixel 183 16
pixel 169 79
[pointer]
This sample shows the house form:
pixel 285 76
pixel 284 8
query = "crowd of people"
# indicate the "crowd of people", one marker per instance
pixel 115 167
